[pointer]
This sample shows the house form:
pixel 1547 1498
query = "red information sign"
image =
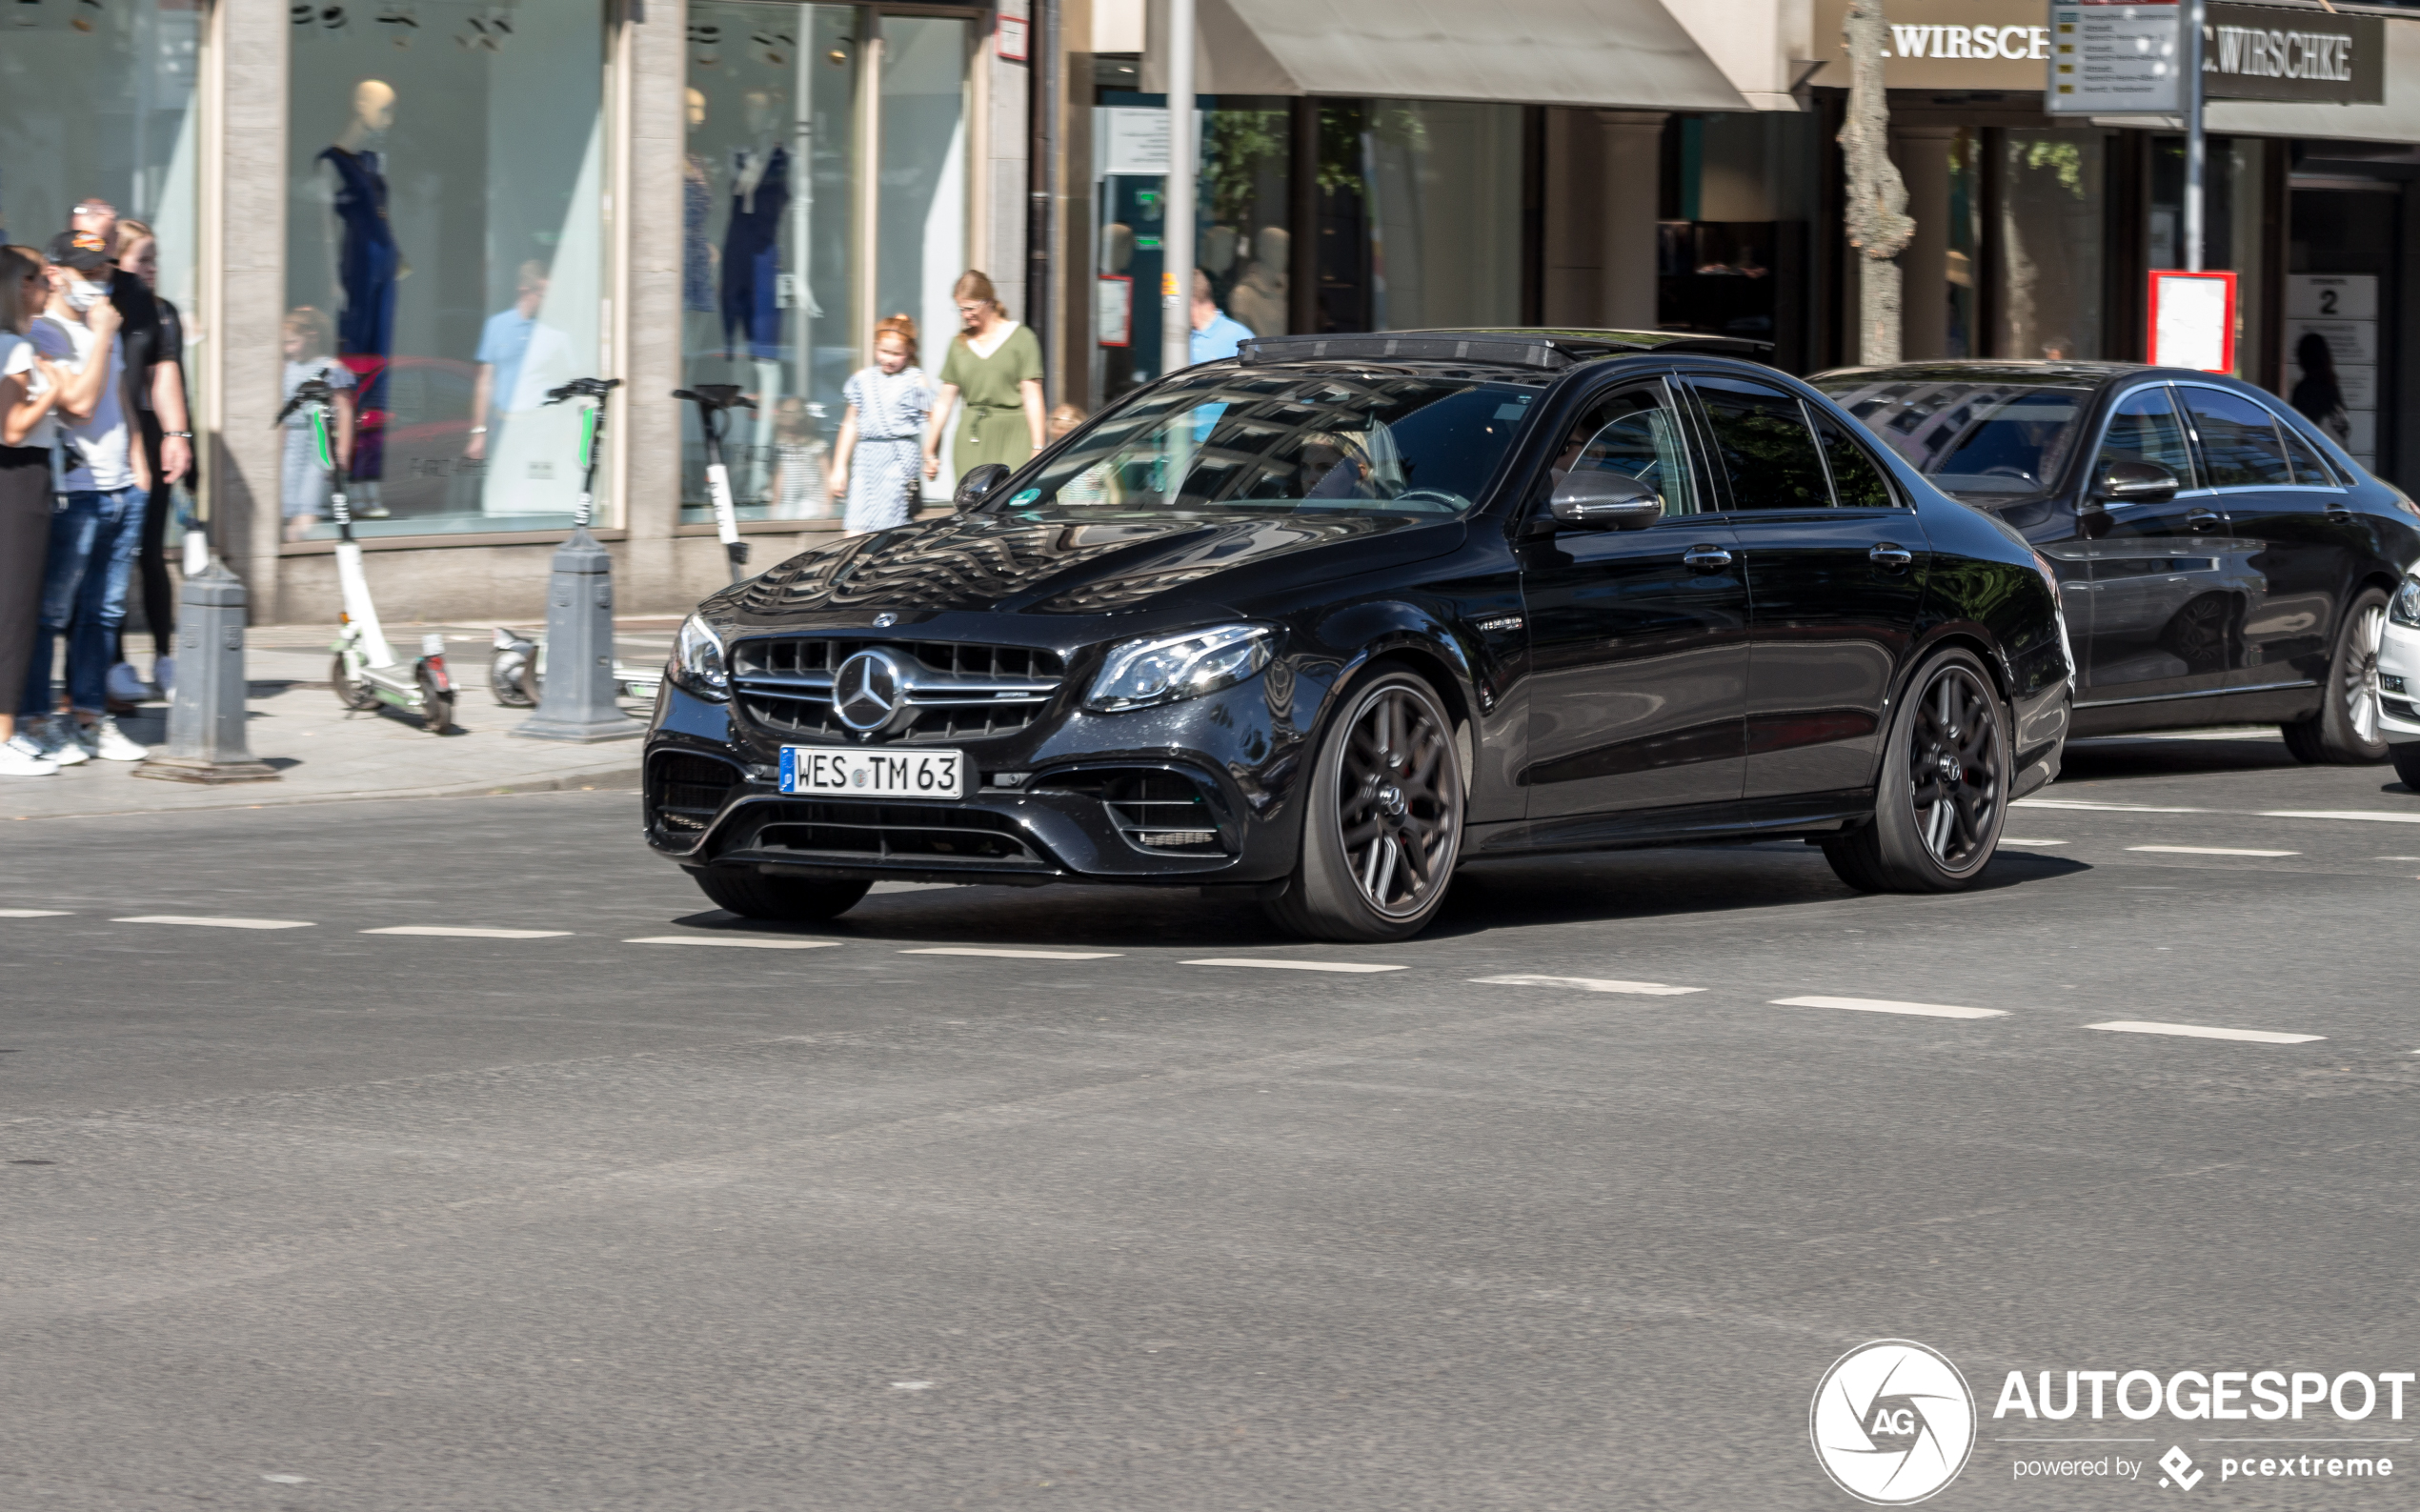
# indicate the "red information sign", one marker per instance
pixel 2192 320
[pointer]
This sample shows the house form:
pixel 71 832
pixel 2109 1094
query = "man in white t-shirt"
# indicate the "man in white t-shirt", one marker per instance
pixel 94 540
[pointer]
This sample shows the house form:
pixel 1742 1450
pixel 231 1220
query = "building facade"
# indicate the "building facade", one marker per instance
pixel 466 202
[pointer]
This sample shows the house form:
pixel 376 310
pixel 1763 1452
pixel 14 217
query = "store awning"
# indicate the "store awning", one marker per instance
pixel 1614 53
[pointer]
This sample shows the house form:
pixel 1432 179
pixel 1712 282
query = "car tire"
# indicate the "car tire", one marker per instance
pixel 794 900
pixel 2345 732
pixel 2406 759
pixel 1382 817
pixel 1927 834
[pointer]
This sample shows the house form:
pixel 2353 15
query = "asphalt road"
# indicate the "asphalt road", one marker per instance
pixel 314 1217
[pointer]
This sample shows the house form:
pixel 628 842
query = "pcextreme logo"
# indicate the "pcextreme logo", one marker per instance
pixel 1893 1423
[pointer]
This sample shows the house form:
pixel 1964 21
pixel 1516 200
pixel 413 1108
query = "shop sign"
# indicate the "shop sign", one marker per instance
pixel 1946 44
pixel 2266 53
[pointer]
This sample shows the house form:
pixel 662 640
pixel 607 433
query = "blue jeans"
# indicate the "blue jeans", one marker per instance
pixel 94 544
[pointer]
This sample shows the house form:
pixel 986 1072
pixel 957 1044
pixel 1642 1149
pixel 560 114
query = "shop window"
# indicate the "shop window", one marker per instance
pixel 100 101
pixel 769 252
pixel 1418 215
pixel 1733 210
pixel 445 245
pixel 2051 216
pixel 2230 228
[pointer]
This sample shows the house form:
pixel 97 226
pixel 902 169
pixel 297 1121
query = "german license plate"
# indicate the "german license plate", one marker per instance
pixel 874 774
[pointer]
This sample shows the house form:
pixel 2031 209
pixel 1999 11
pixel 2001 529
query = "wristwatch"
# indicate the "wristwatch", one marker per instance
pixel 182 435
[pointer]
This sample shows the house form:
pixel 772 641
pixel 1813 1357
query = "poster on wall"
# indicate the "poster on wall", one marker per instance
pixel 2192 320
pixel 1114 310
pixel 2332 347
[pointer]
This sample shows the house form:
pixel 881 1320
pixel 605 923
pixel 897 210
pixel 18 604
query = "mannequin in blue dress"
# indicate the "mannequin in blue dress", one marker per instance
pixel 367 262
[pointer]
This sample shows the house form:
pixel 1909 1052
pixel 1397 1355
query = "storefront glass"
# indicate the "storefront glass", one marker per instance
pixel 2231 229
pixel 2051 251
pixel 445 243
pixel 1420 215
pixel 768 259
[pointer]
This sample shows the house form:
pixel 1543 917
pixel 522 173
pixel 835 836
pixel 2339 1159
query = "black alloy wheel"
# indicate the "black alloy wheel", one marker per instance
pixel 1944 788
pixel 353 692
pixel 1383 824
pixel 2345 732
pixel 794 899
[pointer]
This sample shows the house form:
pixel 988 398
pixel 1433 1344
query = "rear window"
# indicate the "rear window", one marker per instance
pixel 1983 440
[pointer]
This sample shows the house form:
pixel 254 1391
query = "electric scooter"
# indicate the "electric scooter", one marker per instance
pixel 516 670
pixel 365 673
pixel 713 399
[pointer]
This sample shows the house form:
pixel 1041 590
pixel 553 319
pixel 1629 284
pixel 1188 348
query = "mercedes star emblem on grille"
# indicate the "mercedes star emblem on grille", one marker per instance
pixel 866 693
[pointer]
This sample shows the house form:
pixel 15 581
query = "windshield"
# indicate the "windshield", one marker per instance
pixel 1970 438
pixel 1287 443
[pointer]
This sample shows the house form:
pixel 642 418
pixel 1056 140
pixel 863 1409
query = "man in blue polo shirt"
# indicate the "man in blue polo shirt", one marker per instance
pixel 504 342
pixel 1216 334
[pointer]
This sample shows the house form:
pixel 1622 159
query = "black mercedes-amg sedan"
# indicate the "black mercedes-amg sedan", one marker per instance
pixel 2222 560
pixel 1329 620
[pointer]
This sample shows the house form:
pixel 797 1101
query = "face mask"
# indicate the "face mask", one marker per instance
pixel 83 295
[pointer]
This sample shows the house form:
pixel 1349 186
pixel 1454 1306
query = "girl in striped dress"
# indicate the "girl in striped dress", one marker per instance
pixel 875 464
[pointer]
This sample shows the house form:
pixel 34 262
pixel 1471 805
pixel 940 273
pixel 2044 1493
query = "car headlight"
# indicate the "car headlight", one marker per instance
pixel 696 663
pixel 1169 668
pixel 2404 609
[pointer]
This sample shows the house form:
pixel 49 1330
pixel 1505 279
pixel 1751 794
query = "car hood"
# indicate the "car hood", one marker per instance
pixel 1092 563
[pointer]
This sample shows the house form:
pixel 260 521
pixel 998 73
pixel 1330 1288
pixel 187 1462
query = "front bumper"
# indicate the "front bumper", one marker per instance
pixel 2399 683
pixel 1198 792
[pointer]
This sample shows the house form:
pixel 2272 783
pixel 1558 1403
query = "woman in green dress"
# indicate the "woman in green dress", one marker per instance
pixel 995 366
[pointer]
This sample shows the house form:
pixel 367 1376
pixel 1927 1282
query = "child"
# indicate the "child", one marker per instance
pixel 797 472
pixel 873 464
pixel 1065 420
pixel 304 482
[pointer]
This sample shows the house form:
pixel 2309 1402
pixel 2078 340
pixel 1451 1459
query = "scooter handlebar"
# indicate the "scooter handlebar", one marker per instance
pixel 583 388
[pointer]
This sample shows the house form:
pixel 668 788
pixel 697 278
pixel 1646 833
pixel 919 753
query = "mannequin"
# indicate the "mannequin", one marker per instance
pixel 751 262
pixel 697 203
pixel 366 262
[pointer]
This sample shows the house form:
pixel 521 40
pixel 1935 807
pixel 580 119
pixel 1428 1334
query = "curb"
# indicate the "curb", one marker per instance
pixel 621 774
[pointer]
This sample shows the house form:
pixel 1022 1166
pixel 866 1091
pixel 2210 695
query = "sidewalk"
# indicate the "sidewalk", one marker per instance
pixel 325 753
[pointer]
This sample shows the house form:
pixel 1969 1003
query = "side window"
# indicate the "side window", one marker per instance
pixel 1635 434
pixel 1856 478
pixel 2144 428
pixel 1763 448
pixel 2309 470
pixel 2239 440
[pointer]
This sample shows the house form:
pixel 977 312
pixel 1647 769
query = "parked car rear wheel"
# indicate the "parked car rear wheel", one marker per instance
pixel 2344 731
pixel 1944 786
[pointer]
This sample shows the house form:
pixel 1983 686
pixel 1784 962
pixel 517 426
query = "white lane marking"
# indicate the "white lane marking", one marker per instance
pixel 215 923
pixel 1290 965
pixel 1015 954
pixel 464 932
pixel 1650 988
pixel 34 913
pixel 741 941
pixel 1882 1006
pixel 2207 850
pixel 2142 1026
pixel 2011 840
pixel 2100 808
pixel 2339 814
pixel 923 1385
pixel 304 1480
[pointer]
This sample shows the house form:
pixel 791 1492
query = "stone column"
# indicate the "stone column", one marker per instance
pixel 1630 163
pixel 244 301
pixel 1923 155
pixel 650 77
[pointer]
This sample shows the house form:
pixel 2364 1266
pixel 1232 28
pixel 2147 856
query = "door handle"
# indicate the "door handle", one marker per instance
pixel 1706 559
pixel 2200 519
pixel 2339 512
pixel 1890 556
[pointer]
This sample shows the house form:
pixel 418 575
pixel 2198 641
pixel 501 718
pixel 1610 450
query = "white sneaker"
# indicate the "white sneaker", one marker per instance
pixel 21 758
pixel 103 738
pixel 163 673
pixel 126 685
pixel 55 741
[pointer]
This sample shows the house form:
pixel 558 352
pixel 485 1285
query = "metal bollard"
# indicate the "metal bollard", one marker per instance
pixel 577 701
pixel 206 714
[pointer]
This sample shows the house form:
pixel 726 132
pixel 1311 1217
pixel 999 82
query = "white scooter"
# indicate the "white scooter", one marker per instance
pixel 712 400
pixel 517 669
pixel 365 673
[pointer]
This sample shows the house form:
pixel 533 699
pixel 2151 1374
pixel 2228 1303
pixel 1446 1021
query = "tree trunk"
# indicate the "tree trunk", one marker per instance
pixel 1878 224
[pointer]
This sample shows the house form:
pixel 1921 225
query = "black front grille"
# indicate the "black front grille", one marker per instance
pixel 685 791
pixel 967 690
pixel 1159 811
pixel 894 833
